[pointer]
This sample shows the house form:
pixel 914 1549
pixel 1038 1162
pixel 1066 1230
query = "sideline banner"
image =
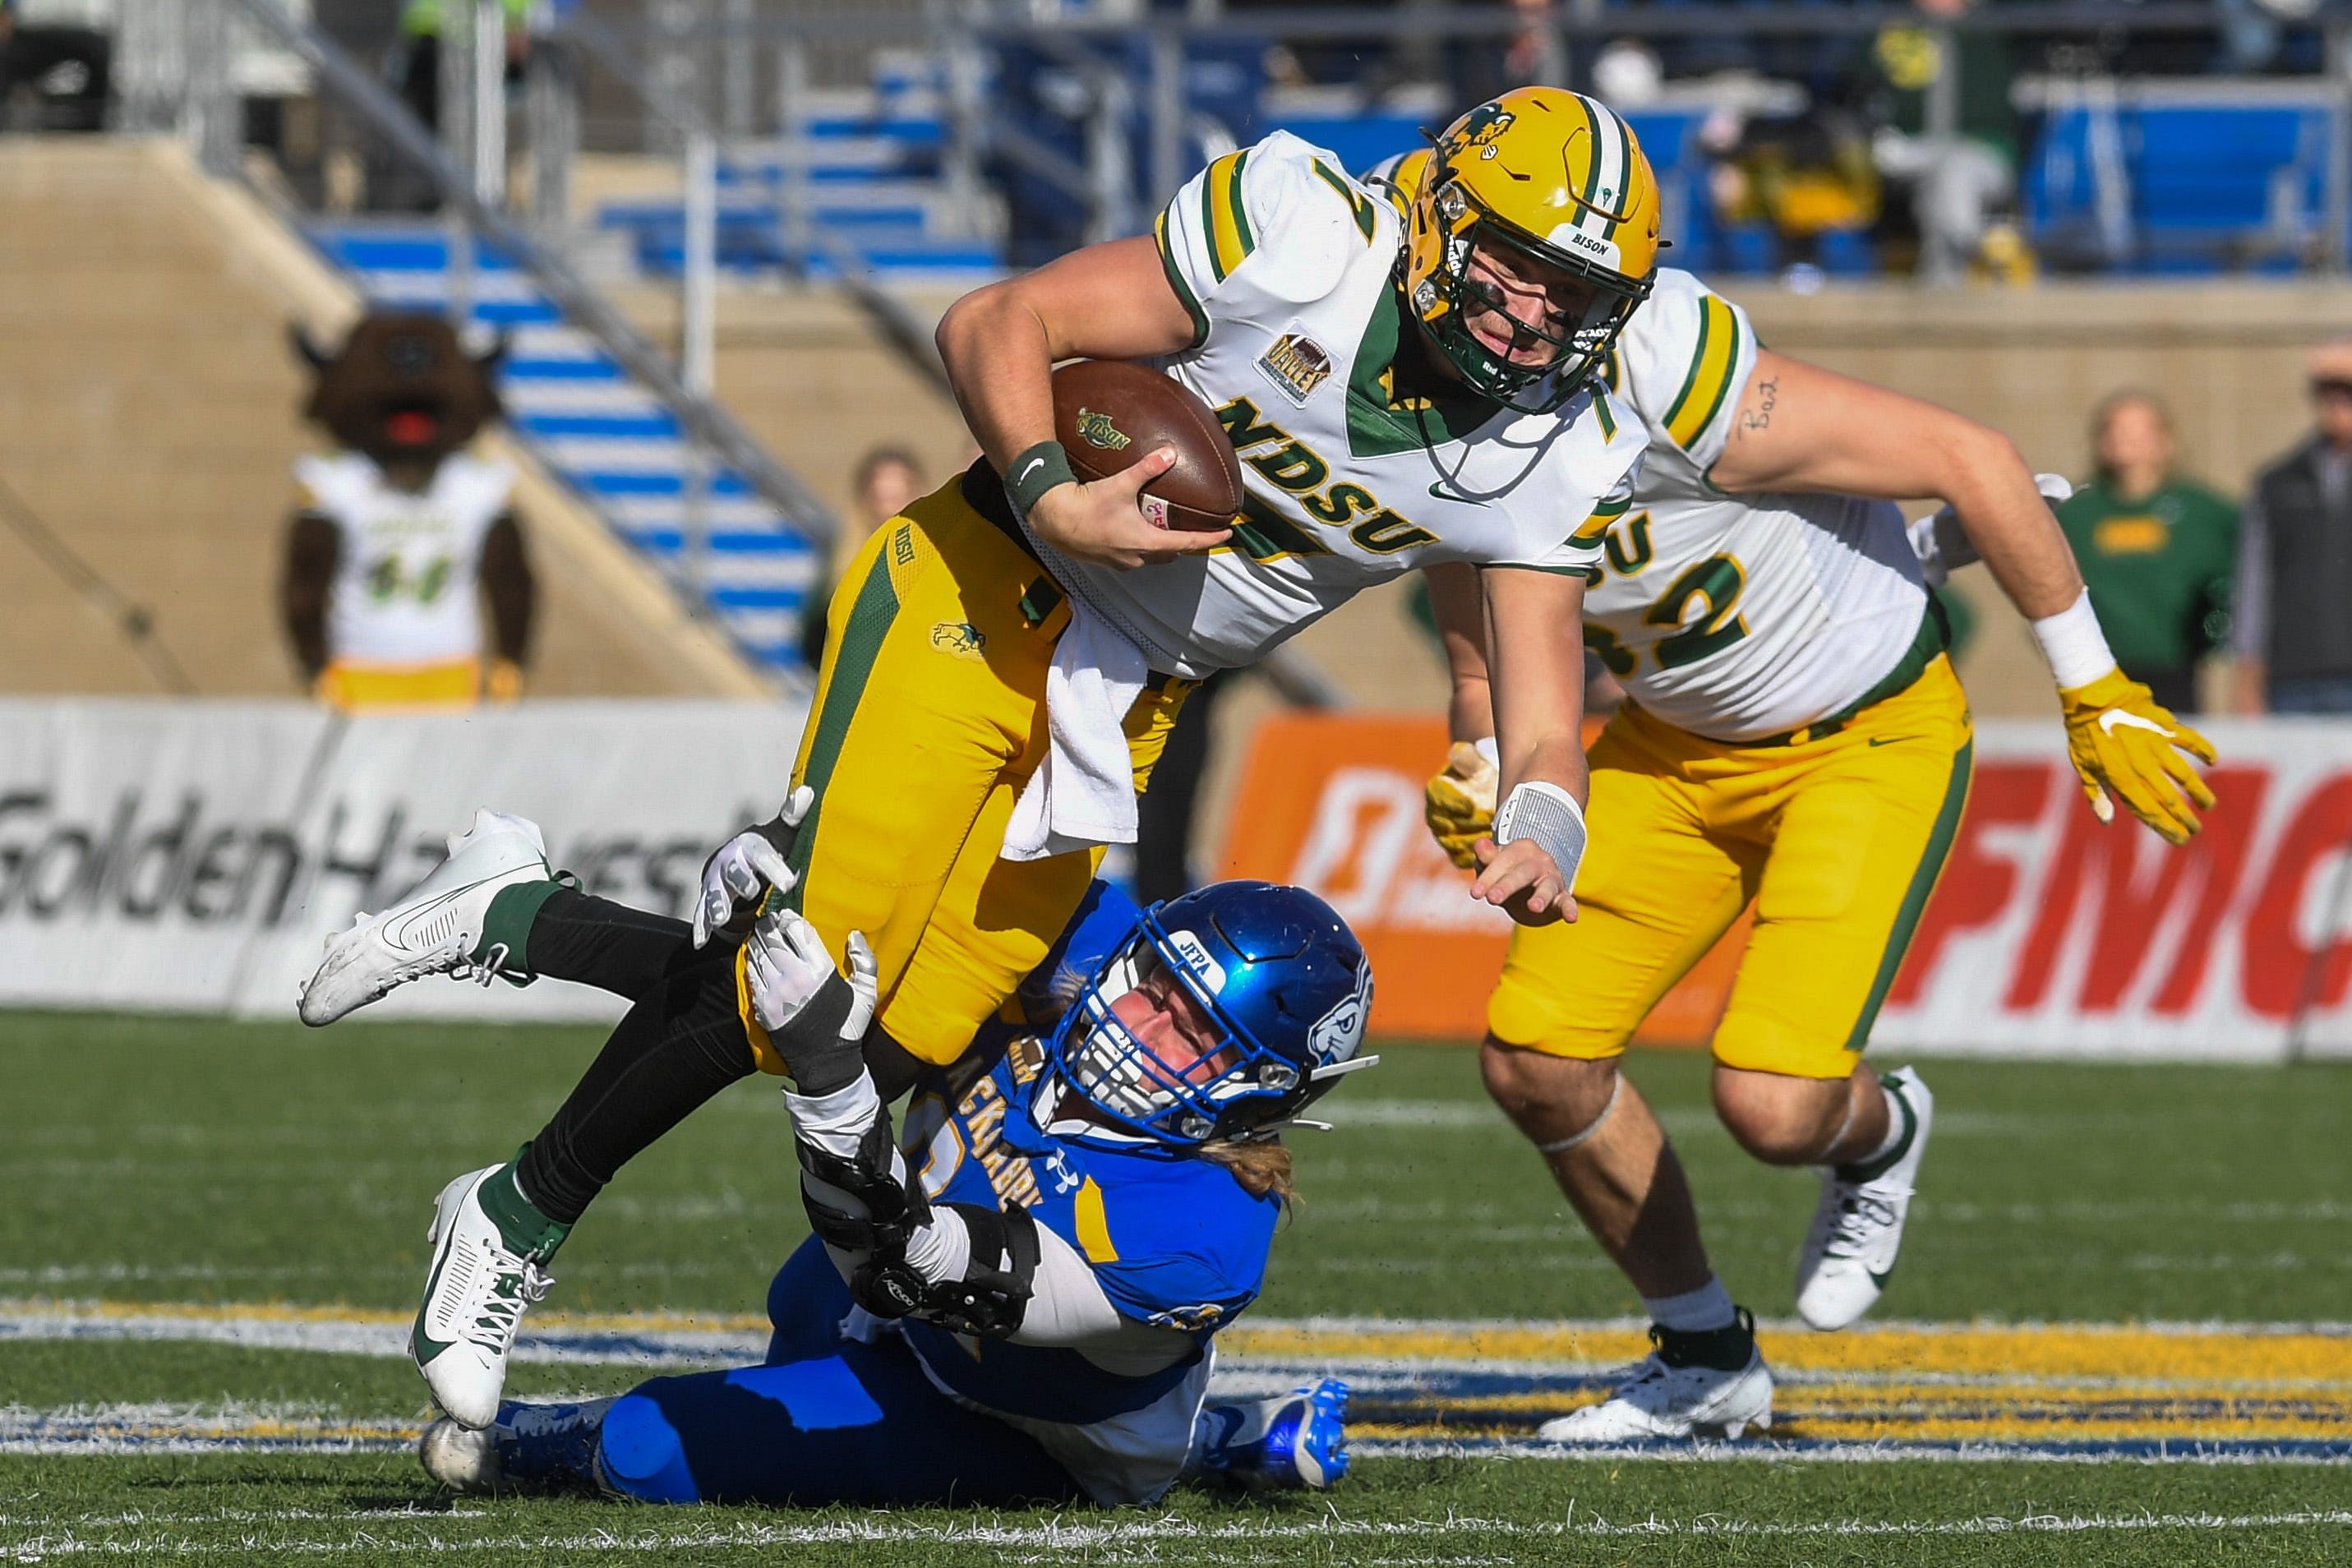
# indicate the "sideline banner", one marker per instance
pixel 1333 802
pixel 2050 935
pixel 193 855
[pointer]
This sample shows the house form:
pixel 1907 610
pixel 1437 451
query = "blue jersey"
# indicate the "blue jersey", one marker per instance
pixel 1174 1240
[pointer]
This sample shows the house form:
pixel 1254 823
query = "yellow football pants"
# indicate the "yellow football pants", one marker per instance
pixel 1838 842
pixel 929 716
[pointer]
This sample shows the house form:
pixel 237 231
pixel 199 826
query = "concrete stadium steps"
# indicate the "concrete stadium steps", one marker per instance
pixel 149 420
pixel 868 167
pixel 605 437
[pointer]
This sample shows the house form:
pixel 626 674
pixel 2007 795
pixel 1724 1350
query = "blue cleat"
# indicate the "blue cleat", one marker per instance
pixel 1298 1441
pixel 530 1448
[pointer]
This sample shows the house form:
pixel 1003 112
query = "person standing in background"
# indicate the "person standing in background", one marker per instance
pixel 403 537
pixel 2158 550
pixel 2291 637
pixel 885 482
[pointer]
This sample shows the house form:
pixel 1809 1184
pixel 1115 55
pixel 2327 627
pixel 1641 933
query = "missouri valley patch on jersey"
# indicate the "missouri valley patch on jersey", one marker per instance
pixel 1737 617
pixel 1288 268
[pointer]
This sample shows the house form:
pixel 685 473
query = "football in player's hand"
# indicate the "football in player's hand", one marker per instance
pixel 1108 413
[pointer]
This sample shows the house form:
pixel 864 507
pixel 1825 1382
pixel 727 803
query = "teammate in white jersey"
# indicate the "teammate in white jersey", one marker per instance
pixel 1402 393
pixel 1793 739
pixel 403 537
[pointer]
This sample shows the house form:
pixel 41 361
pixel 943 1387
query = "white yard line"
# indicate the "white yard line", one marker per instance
pixel 1059 1538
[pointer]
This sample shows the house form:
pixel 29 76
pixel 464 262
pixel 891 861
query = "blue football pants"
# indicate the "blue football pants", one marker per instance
pixel 826 1419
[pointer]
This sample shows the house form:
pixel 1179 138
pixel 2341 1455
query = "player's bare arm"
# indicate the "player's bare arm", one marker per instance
pixel 1001 344
pixel 1800 428
pixel 1536 678
pixel 1804 428
pixel 1459 609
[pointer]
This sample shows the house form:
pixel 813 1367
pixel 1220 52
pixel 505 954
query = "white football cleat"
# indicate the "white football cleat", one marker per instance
pixel 1675 1395
pixel 486 1273
pixel 435 929
pixel 1857 1227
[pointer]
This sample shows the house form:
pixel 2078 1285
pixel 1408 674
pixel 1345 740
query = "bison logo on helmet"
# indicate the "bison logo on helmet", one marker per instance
pixel 1480 126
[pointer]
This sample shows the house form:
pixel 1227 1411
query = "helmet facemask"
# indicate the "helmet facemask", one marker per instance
pixel 1196 1078
pixel 1456 289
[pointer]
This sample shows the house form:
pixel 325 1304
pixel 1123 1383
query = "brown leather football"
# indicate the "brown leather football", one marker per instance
pixel 1108 413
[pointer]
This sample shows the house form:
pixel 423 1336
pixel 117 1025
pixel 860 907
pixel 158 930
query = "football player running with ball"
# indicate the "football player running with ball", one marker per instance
pixel 1793 738
pixel 1014 1301
pixel 1005 658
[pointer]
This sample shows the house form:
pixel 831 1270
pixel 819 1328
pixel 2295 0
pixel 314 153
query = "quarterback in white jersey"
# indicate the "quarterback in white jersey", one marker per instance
pixel 1793 741
pixel 1296 343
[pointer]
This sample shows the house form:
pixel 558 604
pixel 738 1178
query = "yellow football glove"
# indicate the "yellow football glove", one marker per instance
pixel 2122 744
pixel 1460 807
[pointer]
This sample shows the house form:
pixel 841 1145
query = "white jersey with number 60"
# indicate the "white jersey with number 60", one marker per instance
pixel 1737 617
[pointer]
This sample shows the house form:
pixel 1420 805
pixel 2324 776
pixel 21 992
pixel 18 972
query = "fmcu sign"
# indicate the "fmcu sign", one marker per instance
pixel 2050 935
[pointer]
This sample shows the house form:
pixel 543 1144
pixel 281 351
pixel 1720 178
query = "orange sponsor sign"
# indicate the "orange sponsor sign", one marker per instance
pixel 1332 802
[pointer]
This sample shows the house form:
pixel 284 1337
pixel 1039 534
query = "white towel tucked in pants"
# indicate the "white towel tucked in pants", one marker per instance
pixel 1082 794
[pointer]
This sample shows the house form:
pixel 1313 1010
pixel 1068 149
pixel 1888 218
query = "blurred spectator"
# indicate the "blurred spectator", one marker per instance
pixel 51 78
pixel 403 537
pixel 2291 631
pixel 885 482
pixel 423 23
pixel 1806 174
pixel 1959 181
pixel 2157 549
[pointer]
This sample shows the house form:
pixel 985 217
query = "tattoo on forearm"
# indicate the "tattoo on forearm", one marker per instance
pixel 1760 417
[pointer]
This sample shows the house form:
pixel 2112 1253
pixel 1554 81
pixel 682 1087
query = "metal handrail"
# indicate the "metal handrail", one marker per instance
pixel 705 421
pixel 1568 18
pixel 906 331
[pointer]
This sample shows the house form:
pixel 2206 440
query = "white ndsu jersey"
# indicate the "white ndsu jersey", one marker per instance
pixel 1737 617
pixel 406 577
pixel 1288 268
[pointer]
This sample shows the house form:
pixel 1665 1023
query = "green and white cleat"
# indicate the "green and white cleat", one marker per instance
pixel 1857 1229
pixel 436 928
pixel 489 1252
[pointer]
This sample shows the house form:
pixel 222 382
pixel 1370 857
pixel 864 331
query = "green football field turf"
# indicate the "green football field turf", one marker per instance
pixel 218 1167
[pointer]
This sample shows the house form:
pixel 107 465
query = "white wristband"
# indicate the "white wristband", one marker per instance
pixel 2074 644
pixel 1548 814
pixel 1487 749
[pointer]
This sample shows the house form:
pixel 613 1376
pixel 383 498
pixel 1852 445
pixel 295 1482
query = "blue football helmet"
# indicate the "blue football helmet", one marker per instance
pixel 1283 986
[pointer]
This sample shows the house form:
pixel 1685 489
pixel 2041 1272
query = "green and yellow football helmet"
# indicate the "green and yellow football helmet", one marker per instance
pixel 1543 175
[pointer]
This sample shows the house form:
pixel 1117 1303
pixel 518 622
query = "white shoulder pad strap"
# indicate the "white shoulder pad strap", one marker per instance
pixel 1548 814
